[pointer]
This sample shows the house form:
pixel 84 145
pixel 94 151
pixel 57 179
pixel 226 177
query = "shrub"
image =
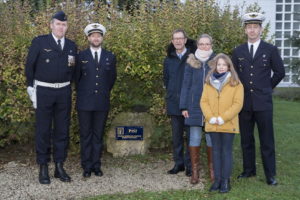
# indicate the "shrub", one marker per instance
pixel 138 39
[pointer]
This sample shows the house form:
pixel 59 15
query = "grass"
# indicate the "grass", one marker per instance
pixel 287 134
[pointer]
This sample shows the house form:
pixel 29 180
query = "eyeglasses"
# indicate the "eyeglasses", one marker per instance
pixel 181 38
pixel 204 44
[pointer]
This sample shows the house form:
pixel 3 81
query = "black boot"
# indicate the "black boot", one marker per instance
pixel 225 186
pixel 215 186
pixel 43 175
pixel 61 173
pixel 176 169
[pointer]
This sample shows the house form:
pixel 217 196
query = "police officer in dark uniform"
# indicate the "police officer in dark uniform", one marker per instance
pixel 95 77
pixel 255 61
pixel 49 69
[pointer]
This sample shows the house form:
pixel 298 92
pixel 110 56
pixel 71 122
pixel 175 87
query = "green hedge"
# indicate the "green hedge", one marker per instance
pixel 138 39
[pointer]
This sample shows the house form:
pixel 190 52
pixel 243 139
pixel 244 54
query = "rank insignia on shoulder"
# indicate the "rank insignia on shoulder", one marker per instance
pixel 241 58
pixel 84 61
pixel 48 50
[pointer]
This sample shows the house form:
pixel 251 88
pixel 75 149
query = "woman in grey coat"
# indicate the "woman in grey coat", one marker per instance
pixel 196 70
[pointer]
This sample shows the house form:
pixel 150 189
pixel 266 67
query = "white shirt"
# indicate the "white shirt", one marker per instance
pixel 255 46
pixel 182 53
pixel 62 41
pixel 98 52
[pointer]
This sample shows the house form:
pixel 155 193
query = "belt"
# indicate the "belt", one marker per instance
pixel 51 85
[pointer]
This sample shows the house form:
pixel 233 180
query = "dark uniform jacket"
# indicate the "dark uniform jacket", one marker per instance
pixel 256 76
pixel 94 82
pixel 47 63
pixel 173 76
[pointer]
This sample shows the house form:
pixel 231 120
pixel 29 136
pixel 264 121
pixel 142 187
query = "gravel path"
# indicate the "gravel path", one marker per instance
pixel 19 180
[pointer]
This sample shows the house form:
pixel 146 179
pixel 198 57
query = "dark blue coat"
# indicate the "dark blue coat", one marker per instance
pixel 94 81
pixel 191 91
pixel 46 62
pixel 255 74
pixel 173 76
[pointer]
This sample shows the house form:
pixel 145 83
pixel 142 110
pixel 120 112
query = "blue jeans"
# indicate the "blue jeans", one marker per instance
pixel 196 135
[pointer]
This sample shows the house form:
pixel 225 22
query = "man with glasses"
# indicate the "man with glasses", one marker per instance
pixel 174 65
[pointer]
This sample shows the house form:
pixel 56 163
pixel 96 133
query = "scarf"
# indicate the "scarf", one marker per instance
pixel 203 55
pixel 219 82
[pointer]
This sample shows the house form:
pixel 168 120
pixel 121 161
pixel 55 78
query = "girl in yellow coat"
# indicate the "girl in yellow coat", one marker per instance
pixel 221 101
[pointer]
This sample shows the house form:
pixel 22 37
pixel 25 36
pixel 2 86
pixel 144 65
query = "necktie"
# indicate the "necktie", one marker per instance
pixel 251 51
pixel 96 57
pixel 180 55
pixel 59 44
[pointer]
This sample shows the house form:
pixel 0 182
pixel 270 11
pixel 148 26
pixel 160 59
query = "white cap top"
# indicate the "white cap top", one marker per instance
pixel 253 18
pixel 94 28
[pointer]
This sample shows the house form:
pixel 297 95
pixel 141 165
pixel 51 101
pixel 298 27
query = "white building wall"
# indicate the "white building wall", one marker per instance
pixel 283 22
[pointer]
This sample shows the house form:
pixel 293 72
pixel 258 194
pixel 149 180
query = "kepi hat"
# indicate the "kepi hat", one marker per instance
pixel 95 28
pixel 60 15
pixel 253 18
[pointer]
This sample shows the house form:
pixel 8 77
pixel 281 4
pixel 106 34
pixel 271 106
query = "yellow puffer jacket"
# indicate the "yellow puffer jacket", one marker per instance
pixel 227 104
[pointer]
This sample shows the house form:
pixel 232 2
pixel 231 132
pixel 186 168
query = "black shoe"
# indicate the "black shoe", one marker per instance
pixel 215 186
pixel 86 174
pixel 225 186
pixel 43 175
pixel 271 181
pixel 246 175
pixel 98 172
pixel 188 171
pixel 61 173
pixel 176 169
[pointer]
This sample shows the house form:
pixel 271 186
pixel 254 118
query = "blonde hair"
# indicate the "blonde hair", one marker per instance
pixel 234 79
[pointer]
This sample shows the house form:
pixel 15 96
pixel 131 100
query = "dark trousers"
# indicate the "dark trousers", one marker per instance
pixel 177 123
pixel 92 124
pixel 222 154
pixel 52 123
pixel 264 121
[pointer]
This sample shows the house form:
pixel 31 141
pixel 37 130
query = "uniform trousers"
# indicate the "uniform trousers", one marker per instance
pixel 264 122
pixel 52 123
pixel 92 124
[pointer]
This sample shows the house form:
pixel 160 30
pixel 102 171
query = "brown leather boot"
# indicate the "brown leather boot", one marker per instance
pixel 194 153
pixel 210 163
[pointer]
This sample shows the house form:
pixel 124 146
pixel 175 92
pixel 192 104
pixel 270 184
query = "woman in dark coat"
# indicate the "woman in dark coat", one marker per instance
pixel 194 78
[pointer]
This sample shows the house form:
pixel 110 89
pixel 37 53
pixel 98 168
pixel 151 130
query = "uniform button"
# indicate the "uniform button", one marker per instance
pixel 84 73
pixel 96 83
pixel 251 66
pixel 97 68
pixel 251 74
pixel 251 90
pixel 97 76
pixel 96 91
pixel 251 82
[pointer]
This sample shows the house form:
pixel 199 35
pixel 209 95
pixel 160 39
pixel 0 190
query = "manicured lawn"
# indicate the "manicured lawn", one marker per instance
pixel 287 134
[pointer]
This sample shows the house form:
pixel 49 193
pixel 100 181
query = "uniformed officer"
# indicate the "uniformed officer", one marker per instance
pixel 255 61
pixel 49 69
pixel 95 77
